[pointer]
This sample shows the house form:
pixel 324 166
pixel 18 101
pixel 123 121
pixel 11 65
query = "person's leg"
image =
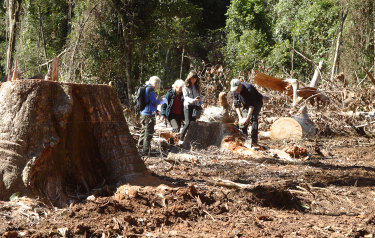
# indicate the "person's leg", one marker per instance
pixel 149 132
pixel 179 120
pixel 254 125
pixel 188 112
pixel 174 123
pixel 143 130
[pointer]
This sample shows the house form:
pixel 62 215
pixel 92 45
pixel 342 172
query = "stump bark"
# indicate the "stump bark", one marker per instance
pixel 204 134
pixel 58 138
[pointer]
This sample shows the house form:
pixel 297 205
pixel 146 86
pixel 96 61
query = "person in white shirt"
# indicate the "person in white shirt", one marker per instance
pixel 192 100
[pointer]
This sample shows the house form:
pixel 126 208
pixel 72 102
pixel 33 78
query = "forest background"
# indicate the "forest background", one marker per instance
pixel 127 41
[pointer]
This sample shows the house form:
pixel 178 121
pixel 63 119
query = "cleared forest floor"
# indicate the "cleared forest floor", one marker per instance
pixel 331 195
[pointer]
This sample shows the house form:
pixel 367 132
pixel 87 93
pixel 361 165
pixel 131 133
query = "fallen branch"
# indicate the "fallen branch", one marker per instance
pixel 181 158
pixel 369 75
pixel 231 184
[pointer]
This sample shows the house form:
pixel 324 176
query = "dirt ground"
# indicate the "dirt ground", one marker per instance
pixel 330 192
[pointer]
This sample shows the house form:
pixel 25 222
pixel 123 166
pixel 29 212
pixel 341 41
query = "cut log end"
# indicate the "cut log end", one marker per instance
pixel 292 128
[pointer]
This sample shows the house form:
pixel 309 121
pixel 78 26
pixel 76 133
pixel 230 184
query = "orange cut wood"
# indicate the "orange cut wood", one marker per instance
pixel 292 128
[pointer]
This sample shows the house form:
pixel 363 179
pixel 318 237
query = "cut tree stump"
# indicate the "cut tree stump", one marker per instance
pixel 62 138
pixel 225 136
pixel 202 134
pixel 296 127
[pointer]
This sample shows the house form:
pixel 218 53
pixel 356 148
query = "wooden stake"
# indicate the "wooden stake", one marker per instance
pixel 55 69
pixel 15 73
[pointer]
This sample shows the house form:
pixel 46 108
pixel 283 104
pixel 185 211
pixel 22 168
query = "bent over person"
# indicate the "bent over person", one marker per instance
pixel 247 96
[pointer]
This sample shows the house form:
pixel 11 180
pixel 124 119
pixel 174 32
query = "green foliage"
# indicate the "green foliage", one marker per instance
pixel 311 26
pixel 131 40
pixel 259 31
pixel 249 33
pixel 358 39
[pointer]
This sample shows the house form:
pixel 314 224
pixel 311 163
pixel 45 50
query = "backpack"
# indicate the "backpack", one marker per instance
pixel 141 98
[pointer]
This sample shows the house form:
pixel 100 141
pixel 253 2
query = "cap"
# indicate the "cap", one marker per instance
pixel 234 84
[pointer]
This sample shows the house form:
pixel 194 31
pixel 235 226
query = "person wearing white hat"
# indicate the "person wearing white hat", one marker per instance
pixel 245 95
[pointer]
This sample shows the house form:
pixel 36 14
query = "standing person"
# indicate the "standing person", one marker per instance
pixel 192 100
pixel 148 113
pixel 174 109
pixel 247 95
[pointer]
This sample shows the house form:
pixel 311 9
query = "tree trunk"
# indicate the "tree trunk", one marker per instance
pixel 166 63
pixel 182 60
pixel 128 55
pixel 70 13
pixel 42 34
pixel 56 138
pixel 14 7
pixel 338 44
pixel 315 80
pixel 76 44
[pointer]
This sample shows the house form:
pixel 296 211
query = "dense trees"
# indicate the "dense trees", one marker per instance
pixel 268 33
pixel 126 41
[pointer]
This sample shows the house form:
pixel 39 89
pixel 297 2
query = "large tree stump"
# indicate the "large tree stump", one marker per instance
pixel 57 138
pixel 296 127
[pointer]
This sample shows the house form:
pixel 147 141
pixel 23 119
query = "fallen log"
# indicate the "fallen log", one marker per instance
pixel 181 158
pixel 296 127
pixel 56 138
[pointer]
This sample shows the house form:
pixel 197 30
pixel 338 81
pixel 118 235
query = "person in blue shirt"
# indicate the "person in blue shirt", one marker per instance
pixel 148 114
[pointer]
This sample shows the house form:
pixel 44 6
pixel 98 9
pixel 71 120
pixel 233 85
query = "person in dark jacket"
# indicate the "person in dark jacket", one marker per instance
pixel 174 109
pixel 247 96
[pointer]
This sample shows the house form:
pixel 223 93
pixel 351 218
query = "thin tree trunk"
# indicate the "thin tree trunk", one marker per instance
pixel 338 44
pixel 70 12
pixel 127 32
pixel 42 34
pixel 128 62
pixel 182 60
pixel 166 63
pixel 14 7
pixel 293 55
pixel 315 80
pixel 80 31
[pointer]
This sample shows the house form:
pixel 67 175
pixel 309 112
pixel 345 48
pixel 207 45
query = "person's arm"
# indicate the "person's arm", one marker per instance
pixel 153 99
pixel 186 96
pixel 250 112
pixel 237 105
pixel 239 114
pixel 165 105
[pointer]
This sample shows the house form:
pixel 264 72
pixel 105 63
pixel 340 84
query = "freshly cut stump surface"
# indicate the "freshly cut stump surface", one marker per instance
pixel 292 128
pixel 58 139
